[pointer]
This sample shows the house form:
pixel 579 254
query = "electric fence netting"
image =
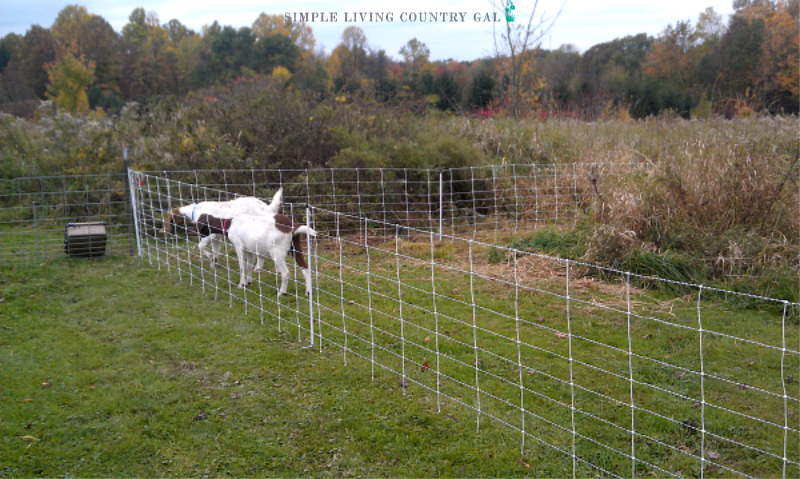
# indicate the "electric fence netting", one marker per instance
pixel 35 210
pixel 620 374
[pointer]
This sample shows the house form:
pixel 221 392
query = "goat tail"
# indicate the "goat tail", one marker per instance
pixel 275 205
pixel 304 230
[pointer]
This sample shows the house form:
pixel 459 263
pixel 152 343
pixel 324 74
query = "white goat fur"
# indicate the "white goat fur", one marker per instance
pixel 228 210
pixel 256 237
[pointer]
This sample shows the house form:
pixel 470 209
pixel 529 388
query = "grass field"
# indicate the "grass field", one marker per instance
pixel 112 368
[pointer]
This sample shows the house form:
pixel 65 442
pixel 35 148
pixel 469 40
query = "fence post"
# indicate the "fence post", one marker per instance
pixel 311 278
pixel 36 229
pixel 128 199
pixel 441 204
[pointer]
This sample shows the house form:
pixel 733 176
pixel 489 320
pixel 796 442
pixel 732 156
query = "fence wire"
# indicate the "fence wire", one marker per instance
pixel 457 201
pixel 35 211
pixel 598 367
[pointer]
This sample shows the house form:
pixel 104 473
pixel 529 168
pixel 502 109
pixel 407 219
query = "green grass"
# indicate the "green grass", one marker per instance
pixel 111 367
pixel 107 364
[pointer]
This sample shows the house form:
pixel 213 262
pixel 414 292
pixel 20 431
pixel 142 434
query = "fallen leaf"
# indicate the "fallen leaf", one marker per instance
pixel 30 438
pixel 46 384
pixel 424 366
pixel 222 414
pixel 712 454
pixel 403 384
pixel 27 400
pixel 647 336
pixel 540 319
pixel 351 302
pixel 237 383
pixel 235 396
pixel 697 404
pixel 751 363
pixel 446 332
pixel 200 416
pixel 524 463
pixel 560 335
pixel 226 376
pixel 455 331
pixel 680 374
pixel 490 454
pixel 428 339
pixel 478 363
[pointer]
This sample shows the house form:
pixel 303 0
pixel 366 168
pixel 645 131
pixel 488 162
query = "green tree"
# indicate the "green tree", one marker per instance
pixel 38 49
pixel 741 48
pixel 482 86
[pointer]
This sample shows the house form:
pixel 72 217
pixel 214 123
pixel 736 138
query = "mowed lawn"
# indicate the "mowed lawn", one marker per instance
pixel 109 367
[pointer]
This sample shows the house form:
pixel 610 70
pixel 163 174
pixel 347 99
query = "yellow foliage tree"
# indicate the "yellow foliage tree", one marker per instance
pixel 281 73
pixel 300 33
pixel 70 78
pixel 69 25
pixel 527 97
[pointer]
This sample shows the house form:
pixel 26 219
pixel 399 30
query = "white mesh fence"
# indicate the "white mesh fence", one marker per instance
pixel 610 372
pixel 34 212
pixel 458 201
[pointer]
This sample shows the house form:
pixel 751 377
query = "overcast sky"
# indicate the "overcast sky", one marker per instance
pixel 583 23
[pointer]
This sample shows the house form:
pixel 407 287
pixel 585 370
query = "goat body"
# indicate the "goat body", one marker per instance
pixel 181 219
pixel 256 237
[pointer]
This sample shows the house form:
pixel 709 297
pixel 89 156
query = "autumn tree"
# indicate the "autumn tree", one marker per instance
pixel 298 32
pixel 513 44
pixel 70 78
pixel 150 60
pixel 415 55
pixel 348 60
pixel 69 26
pixel 779 70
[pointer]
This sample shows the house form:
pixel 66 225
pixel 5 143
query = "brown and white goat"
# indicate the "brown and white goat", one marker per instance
pixel 180 220
pixel 256 237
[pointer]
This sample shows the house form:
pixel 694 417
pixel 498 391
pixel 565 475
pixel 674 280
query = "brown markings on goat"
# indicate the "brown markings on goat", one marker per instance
pixel 285 225
pixel 208 225
pixel 297 252
pixel 176 221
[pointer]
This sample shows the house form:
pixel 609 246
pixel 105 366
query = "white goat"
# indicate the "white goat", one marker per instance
pixel 255 237
pixel 181 219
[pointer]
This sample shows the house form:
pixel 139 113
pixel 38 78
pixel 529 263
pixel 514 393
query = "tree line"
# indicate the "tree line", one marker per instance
pixel 746 64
